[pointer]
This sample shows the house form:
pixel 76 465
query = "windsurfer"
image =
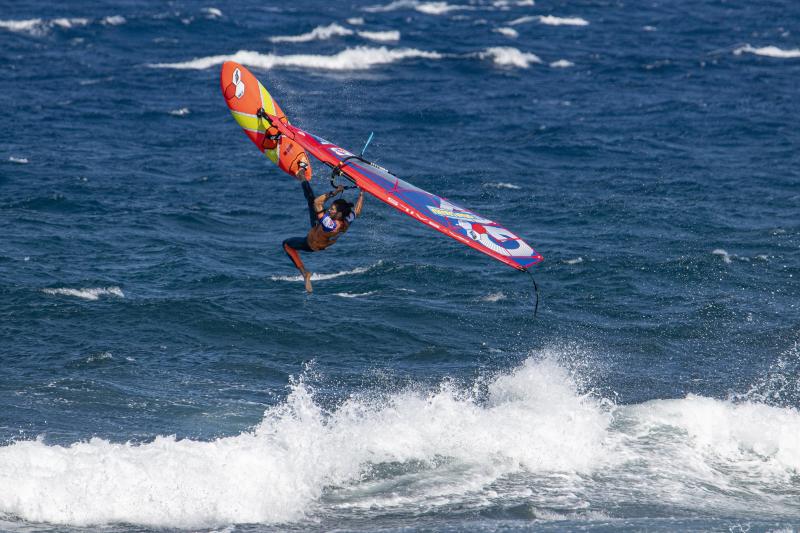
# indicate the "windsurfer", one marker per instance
pixel 327 225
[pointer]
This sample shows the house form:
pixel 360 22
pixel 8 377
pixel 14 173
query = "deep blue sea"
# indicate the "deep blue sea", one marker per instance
pixel 162 367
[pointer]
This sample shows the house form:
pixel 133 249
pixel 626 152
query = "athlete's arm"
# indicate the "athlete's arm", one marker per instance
pixel 359 203
pixel 319 201
pixel 319 205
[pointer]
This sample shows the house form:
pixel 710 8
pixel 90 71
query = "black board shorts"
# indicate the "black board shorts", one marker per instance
pixel 298 243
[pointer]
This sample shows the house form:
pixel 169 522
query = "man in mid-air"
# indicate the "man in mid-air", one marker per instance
pixel 326 225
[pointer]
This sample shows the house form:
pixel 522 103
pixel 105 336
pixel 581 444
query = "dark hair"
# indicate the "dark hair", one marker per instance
pixel 344 207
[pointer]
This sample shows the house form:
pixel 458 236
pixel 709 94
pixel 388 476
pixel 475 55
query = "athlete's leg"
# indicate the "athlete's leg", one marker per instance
pixel 291 247
pixel 309 194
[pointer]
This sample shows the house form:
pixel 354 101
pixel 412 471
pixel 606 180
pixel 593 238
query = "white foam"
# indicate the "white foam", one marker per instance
pixel 493 297
pixel 353 294
pixel 29 26
pixel 180 112
pixel 321 277
pixel 726 257
pixel 649 28
pixel 114 20
pixel 102 356
pixel 380 36
pixel 522 20
pixel 87 294
pixel 502 185
pixel 748 436
pixel 428 8
pixel 506 56
pixel 563 21
pixel 508 32
pixel 212 12
pixel 574 261
pixel 18 160
pixel 497 439
pixel 320 33
pixel 358 58
pixel 38 27
pixel 562 63
pixel 532 419
pixel 69 23
pixel 506 4
pixel 768 51
pixel 355 21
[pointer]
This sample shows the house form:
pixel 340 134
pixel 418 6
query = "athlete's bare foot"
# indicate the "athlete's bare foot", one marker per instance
pixel 307 277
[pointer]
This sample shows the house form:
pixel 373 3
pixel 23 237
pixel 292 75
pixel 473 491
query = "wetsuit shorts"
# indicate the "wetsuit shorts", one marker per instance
pixel 298 243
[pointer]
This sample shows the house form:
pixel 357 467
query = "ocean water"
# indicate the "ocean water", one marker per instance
pixel 162 367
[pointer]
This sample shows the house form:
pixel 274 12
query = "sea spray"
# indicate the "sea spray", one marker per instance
pixel 532 420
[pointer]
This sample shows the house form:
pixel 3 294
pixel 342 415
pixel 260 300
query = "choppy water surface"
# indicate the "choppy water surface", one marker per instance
pixel 163 368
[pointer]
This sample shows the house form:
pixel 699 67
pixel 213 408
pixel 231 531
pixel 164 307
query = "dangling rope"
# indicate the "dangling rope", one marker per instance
pixel 536 291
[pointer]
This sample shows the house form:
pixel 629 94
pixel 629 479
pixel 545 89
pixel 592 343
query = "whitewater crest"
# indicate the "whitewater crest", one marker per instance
pixel 321 33
pixel 532 419
pixel 507 56
pixel 86 294
pixel 550 20
pixel 537 429
pixel 562 63
pixel 38 27
pixel 508 32
pixel 768 51
pixel 358 58
pixel 428 8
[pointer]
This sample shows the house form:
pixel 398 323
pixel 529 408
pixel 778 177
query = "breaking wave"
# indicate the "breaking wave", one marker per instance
pixel 212 12
pixel 768 51
pixel 429 8
pixel 508 32
pixel 114 20
pixel 563 21
pixel 87 294
pixel 358 58
pixel 320 33
pixel 536 429
pixel 506 56
pixel 29 26
pixel 522 20
pixel 37 27
pixel 380 36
